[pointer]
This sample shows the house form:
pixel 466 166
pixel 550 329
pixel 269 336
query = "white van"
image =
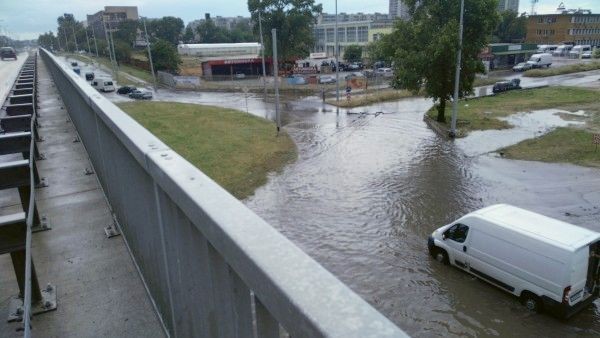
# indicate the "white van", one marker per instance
pixel 103 85
pixel 549 264
pixel 578 50
pixel 562 50
pixel 546 48
pixel 540 60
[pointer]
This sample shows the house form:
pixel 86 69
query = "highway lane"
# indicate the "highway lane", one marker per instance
pixel 9 69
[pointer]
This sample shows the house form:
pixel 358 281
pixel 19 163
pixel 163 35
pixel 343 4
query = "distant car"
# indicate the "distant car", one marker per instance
pixel 240 75
pixel 8 53
pixel 125 90
pixel 586 55
pixel 77 70
pixel 384 72
pixel 325 79
pixel 368 73
pixel 89 76
pixel 140 95
pixel 503 86
pixel 74 64
pixel 354 75
pixel 521 67
pixel 354 66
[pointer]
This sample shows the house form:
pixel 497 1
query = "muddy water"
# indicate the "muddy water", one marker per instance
pixel 368 189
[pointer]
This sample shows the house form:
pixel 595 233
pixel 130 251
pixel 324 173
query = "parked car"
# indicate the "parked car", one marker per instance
pixel 240 75
pixel 125 89
pixel 384 72
pixel 521 67
pixel 586 55
pixel 89 76
pixel 8 53
pixel 549 264
pixel 140 95
pixel 540 60
pixel 503 86
pixel 77 70
pixel 354 66
pixel 103 85
pixel 325 79
pixel 354 75
pixel 74 64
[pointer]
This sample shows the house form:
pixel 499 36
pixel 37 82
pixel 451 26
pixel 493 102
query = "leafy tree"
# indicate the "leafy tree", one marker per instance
pixel 127 31
pixel 168 28
pixel 122 51
pixel 424 49
pixel 71 30
pixel 353 53
pixel 241 33
pixel 210 33
pixel 596 54
pixel 165 56
pixel 48 41
pixel 511 28
pixel 188 37
pixel 293 20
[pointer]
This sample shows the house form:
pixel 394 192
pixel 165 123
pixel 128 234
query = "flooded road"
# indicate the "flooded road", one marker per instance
pixel 368 189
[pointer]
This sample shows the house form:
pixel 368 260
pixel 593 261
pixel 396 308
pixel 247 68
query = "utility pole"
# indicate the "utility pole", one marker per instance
pixel 150 56
pixel 337 63
pixel 88 42
pixel 110 54
pixel 58 39
pixel 457 74
pixel 95 43
pixel 276 82
pixel 75 39
pixel 66 41
pixel 262 48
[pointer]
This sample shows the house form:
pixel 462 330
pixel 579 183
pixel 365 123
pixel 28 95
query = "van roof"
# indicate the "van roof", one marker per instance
pixel 552 231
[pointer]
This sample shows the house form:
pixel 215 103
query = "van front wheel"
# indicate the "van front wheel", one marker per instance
pixel 532 302
pixel 441 256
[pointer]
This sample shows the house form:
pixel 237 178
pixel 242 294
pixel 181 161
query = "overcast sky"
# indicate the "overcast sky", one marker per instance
pixel 26 19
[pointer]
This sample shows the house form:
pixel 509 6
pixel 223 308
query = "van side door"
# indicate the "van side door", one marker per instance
pixel 456 239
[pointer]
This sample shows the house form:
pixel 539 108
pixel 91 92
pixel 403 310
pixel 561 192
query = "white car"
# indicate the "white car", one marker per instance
pixel 325 79
pixel 103 85
pixel 586 55
pixel 384 72
pixel 549 264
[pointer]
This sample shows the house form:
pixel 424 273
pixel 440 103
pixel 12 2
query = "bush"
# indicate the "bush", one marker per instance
pixel 596 54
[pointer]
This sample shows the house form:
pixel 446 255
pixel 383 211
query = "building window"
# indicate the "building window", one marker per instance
pixel 320 35
pixel 330 37
pixel 363 34
pixel 341 34
pixel 351 34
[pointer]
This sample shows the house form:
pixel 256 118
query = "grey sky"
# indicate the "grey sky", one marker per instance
pixel 26 19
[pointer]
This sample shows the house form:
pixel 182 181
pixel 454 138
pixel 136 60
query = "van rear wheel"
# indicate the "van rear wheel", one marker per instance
pixel 532 302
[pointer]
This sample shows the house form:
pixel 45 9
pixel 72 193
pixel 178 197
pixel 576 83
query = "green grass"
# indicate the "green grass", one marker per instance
pixel 362 99
pixel 564 145
pixel 481 81
pixel 482 113
pixel 580 67
pixel 234 148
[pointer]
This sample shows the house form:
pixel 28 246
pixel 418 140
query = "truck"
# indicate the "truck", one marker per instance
pixel 550 265
pixel 540 60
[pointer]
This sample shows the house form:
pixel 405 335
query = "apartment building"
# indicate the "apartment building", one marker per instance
pixel 110 17
pixel 579 27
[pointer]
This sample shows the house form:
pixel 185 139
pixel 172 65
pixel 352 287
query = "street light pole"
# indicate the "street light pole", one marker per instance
pixel 88 42
pixel 95 43
pixel 276 82
pixel 337 63
pixel 75 39
pixel 262 48
pixel 457 74
pixel 150 55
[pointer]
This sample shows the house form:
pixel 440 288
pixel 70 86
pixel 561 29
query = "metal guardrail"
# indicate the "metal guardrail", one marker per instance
pixel 211 266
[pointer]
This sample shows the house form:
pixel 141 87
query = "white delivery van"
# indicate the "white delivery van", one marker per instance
pixel 546 48
pixel 578 50
pixel 549 264
pixel 103 85
pixel 562 50
pixel 540 60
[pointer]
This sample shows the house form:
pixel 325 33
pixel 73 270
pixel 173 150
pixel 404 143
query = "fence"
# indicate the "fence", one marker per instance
pixel 212 267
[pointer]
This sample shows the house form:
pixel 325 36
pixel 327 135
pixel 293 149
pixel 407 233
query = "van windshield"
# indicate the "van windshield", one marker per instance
pixel 457 232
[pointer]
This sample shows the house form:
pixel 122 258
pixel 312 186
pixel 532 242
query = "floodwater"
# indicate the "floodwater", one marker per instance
pixel 369 188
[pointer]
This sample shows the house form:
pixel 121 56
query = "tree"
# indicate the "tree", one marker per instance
pixel 165 56
pixel 510 28
pixel 241 32
pixel 48 41
pixel 293 20
pixel 424 49
pixel 353 53
pixel 596 54
pixel 188 37
pixel 168 28
pixel 208 32
pixel 122 51
pixel 127 31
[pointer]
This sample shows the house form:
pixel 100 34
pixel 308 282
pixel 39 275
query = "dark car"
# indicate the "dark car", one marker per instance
pixel 125 90
pixel 8 53
pixel 89 76
pixel 74 64
pixel 140 95
pixel 503 86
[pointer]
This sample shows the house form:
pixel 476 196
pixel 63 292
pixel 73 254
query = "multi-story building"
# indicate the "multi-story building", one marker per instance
pixel 579 27
pixel 345 17
pixel 359 32
pixel 508 5
pixel 399 9
pixel 110 17
pixel 227 23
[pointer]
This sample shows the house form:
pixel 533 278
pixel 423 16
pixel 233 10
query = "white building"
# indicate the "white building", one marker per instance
pixel 399 9
pixel 508 5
